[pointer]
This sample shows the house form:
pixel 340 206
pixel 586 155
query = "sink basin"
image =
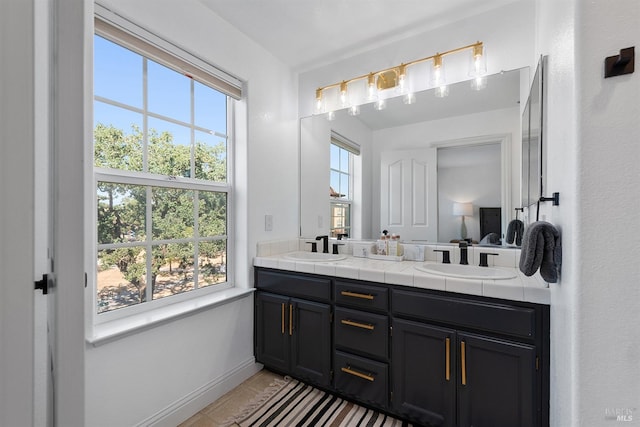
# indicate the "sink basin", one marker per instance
pixel 468 271
pixel 314 256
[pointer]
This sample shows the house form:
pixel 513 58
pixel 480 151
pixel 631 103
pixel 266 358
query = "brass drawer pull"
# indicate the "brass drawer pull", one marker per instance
pixel 350 371
pixel 283 318
pixel 290 319
pixel 357 295
pixel 447 360
pixel 357 324
pixel 463 361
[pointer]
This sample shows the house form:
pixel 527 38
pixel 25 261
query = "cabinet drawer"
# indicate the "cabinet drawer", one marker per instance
pixel 362 332
pixel 362 379
pixel 295 285
pixel 493 317
pixel 360 295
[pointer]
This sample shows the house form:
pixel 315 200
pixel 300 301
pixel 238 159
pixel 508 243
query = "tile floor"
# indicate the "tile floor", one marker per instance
pixel 231 403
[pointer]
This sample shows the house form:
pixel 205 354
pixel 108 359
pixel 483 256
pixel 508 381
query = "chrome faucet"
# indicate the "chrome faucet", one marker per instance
pixel 325 243
pixel 463 253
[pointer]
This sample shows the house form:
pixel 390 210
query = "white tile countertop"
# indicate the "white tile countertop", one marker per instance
pixel 404 273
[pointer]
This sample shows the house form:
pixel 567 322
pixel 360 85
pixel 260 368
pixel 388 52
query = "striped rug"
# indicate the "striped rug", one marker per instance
pixel 293 403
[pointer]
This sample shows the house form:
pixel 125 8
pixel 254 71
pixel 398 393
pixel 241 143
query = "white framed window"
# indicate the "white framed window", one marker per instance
pixel 163 161
pixel 341 184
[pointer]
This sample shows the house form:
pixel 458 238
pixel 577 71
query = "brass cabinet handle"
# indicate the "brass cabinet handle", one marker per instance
pixel 290 319
pixel 350 371
pixel 357 295
pixel 357 324
pixel 447 359
pixel 283 318
pixel 463 362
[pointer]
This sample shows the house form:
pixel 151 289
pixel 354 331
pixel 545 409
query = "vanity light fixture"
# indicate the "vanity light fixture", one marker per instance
pixel 397 77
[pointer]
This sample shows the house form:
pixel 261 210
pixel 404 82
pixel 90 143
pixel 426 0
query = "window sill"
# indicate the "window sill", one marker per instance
pixel 120 328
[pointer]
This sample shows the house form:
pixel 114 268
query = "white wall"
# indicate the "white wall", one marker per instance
pixel 590 133
pixel 475 178
pixel 315 134
pixel 151 375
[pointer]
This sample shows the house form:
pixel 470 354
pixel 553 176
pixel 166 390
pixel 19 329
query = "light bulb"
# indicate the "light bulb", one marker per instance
pixel 372 91
pixel 442 91
pixel 402 78
pixel 380 104
pixel 409 98
pixel 437 71
pixel 478 61
pixel 344 99
pixel 478 83
pixel 319 101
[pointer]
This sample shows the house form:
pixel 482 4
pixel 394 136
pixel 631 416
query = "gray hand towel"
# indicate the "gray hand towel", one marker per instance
pixel 541 249
pixel 515 230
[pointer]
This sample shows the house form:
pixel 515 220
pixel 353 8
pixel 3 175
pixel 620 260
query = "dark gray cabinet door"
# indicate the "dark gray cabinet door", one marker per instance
pixel 272 333
pixel 424 372
pixel 496 382
pixel 311 341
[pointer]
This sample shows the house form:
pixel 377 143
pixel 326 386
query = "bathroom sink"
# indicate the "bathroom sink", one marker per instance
pixel 314 256
pixel 468 271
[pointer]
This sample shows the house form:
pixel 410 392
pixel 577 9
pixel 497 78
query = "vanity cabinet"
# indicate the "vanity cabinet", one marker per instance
pixel 450 369
pixel 433 358
pixel 293 325
pixel 361 342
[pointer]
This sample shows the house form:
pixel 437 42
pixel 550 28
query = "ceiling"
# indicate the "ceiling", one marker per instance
pixel 309 33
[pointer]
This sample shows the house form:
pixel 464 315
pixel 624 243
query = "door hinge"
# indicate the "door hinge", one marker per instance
pixel 43 284
pixel 537 363
pixel 391 330
pixel 391 396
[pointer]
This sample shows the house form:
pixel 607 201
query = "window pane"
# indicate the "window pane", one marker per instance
pixel 173 266
pixel 172 213
pixel 121 212
pixel 335 157
pixel 344 185
pixel 340 219
pixel 117 138
pixel 344 160
pixel 212 215
pixel 121 280
pixel 117 73
pixel 212 263
pixel 210 108
pixel 169 92
pixel 335 183
pixel 210 157
pixel 169 148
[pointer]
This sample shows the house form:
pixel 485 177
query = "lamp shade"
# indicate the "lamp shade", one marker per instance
pixel 463 209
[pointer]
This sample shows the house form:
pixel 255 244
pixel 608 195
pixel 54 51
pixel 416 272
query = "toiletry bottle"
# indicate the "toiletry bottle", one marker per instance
pixel 381 245
pixel 393 246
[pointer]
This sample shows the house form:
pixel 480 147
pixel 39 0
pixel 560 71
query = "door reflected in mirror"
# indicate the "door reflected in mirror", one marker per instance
pixel 414 161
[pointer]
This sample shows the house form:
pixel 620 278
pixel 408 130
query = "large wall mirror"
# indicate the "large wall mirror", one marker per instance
pixel 532 159
pixel 419 169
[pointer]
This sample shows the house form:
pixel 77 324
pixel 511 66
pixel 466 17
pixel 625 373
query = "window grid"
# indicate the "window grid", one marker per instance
pixel 150 180
pixel 341 200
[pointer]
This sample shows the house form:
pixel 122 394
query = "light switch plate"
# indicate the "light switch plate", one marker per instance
pixel 268 222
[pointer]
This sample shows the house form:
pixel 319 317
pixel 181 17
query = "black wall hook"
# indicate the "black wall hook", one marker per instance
pixel 555 199
pixel 620 64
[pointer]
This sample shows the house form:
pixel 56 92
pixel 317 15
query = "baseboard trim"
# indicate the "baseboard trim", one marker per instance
pixel 182 409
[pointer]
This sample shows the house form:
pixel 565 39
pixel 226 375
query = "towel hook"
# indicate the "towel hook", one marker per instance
pixel 555 199
pixel 518 209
